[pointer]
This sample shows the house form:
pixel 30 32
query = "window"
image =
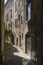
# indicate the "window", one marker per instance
pixel 29 11
pixel 15 6
pixel 19 17
pixel 7 17
pixel 20 40
pixel 22 36
pixel 16 23
pixel 10 24
pixel 17 42
pixel 11 13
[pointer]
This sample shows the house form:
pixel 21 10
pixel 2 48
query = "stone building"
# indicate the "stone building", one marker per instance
pixel 9 14
pixel 28 29
pixel 20 23
pixel 35 33
pixel 15 14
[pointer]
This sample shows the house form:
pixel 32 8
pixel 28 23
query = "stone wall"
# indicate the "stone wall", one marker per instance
pixel 36 26
pixel 2 31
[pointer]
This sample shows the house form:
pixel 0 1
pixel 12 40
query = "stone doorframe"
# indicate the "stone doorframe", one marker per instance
pixel 27 35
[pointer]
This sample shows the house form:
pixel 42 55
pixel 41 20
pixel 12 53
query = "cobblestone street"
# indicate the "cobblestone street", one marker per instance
pixel 11 59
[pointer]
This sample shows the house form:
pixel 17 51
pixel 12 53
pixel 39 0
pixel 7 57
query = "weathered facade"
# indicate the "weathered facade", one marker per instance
pixel 28 33
pixel 19 23
pixel 9 14
pixel 9 17
pixel 35 33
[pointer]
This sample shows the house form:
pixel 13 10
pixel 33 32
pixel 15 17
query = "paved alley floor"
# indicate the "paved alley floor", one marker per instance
pixel 14 56
pixel 21 53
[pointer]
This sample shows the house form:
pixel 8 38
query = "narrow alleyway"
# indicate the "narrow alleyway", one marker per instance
pixel 11 59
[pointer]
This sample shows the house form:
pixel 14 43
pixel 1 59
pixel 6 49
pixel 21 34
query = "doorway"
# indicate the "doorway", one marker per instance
pixel 29 46
pixel 20 40
pixel 17 41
